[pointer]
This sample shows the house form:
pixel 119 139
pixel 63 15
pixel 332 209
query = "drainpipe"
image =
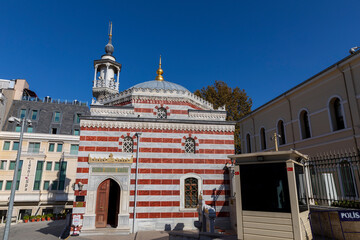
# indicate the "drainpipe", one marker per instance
pixel 350 112
pixel 136 177
pixel 253 121
pixel 291 122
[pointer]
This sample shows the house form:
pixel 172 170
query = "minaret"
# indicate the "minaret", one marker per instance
pixel 159 72
pixel 107 72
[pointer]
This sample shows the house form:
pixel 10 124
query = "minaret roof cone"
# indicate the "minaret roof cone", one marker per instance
pixel 159 72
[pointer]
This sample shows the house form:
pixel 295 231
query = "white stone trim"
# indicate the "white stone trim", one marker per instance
pixel 215 116
pixel 168 95
pixel 171 209
pixel 159 198
pixel 154 134
pixel 321 136
pixel 182 192
pixel 112 112
pixel 157 125
pixel 39 136
pixel 173 187
pixel 118 155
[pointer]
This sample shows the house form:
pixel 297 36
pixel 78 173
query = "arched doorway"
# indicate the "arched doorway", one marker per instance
pixel 107 204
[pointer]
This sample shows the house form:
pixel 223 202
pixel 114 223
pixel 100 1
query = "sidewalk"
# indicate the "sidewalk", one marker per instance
pixel 51 231
pixel 148 235
pixel 35 230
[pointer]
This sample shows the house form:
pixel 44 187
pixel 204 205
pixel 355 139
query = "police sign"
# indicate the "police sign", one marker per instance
pixel 349 215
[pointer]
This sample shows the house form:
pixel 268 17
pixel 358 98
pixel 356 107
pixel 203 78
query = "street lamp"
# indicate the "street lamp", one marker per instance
pixel 22 122
pixel 80 186
pixel 136 177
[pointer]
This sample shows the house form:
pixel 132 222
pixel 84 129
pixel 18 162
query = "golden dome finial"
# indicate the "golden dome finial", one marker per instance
pixel 159 72
pixel 110 31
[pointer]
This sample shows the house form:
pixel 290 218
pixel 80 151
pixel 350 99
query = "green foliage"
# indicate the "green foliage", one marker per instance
pixel 236 102
pixel 26 217
pixel 346 204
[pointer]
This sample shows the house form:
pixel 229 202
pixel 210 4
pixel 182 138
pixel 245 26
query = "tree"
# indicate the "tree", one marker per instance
pixel 236 101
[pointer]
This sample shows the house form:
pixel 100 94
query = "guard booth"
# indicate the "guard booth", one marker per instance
pixel 271 196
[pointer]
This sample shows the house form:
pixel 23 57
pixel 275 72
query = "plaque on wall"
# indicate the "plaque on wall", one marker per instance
pixel 110 170
pixel 111 158
pixel 80 199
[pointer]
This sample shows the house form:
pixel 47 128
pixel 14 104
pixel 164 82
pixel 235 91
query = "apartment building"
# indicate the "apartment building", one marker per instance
pixel 48 155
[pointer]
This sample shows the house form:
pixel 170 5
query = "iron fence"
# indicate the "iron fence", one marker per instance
pixel 334 179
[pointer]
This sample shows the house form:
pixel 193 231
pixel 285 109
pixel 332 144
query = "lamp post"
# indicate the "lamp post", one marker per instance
pixel 14 182
pixel 136 177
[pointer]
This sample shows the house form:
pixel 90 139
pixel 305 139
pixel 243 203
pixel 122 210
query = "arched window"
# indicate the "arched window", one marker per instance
pixel 162 113
pixel 262 139
pixel 347 179
pixel 248 143
pixel 281 132
pixel 128 145
pixel 191 192
pixel 305 125
pixel 190 145
pixel 336 114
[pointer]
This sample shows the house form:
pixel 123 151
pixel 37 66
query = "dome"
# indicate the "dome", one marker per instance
pixel 109 48
pixel 165 85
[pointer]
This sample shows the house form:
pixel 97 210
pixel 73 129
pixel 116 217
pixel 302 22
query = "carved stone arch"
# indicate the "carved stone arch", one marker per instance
pixel 196 140
pixel 101 179
pixel 122 138
pixel 161 107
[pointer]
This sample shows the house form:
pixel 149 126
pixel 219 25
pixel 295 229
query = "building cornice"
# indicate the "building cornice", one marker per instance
pixel 169 95
pixel 207 115
pixel 157 120
pixel 111 111
pixel 333 68
pixel 39 136
pixel 104 61
pixel 116 111
pixel 210 126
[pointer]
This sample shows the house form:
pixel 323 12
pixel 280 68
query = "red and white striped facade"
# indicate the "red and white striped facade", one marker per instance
pixel 163 164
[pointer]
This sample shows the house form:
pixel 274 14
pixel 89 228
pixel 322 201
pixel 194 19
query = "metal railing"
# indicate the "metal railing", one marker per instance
pixel 334 179
pixel 50 100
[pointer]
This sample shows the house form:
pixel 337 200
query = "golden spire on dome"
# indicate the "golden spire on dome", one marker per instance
pixel 159 72
pixel 110 32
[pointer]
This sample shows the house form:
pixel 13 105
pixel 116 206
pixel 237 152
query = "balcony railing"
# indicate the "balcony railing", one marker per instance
pixel 33 151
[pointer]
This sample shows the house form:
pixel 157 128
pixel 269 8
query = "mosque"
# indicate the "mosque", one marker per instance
pixel 147 154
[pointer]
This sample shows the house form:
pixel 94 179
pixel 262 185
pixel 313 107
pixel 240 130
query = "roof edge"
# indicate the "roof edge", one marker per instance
pixel 335 65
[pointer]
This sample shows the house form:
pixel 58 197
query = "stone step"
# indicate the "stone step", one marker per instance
pixel 104 231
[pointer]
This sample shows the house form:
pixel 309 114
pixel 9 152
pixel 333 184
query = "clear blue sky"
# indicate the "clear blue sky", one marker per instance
pixel 264 47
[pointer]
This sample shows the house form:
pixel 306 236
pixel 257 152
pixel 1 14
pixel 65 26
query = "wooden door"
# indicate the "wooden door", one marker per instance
pixel 102 202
